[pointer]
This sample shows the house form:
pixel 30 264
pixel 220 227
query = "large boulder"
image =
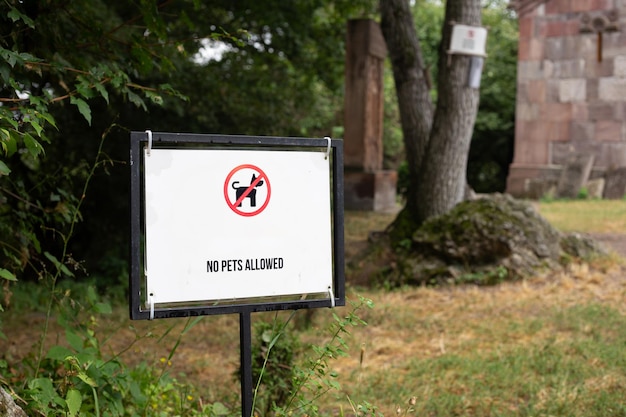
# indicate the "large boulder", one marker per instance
pixel 485 241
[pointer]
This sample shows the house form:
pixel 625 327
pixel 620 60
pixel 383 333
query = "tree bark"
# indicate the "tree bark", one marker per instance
pixel 437 145
pixel 410 76
pixel 8 408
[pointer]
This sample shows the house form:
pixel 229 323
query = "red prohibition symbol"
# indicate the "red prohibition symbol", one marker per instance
pixel 241 194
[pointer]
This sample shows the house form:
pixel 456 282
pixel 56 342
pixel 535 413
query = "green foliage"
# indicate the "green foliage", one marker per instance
pixel 70 75
pixel 288 387
pixel 77 378
pixel 314 378
pixel 428 16
pixel 49 55
pixel 491 150
pixel 285 78
pixel 68 71
pixel 273 365
pixel 58 61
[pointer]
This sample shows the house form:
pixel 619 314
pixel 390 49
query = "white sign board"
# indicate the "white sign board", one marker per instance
pixel 468 40
pixel 232 224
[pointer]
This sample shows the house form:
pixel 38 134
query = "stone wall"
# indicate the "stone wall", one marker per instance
pixel 571 88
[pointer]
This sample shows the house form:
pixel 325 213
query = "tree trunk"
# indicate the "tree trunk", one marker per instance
pixel 410 76
pixel 437 146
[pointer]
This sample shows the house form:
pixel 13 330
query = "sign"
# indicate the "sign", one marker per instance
pixel 475 71
pixel 468 40
pixel 224 227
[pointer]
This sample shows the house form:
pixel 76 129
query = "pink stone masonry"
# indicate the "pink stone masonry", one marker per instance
pixel 571 93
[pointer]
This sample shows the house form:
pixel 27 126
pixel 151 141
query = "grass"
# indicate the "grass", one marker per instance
pixel 587 216
pixel 551 345
pixel 535 349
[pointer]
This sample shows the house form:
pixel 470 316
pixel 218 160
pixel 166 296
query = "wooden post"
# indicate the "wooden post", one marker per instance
pixel 366 51
pixel 368 187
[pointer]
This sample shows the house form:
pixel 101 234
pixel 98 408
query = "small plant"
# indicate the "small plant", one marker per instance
pixel 583 193
pixel 294 389
pixel 548 197
pixel 273 364
pixel 315 378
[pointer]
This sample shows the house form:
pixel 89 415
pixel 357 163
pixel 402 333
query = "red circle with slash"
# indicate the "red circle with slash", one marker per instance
pixel 247 191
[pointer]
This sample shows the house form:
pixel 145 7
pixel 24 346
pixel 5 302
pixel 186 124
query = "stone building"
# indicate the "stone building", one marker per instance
pixel 571 89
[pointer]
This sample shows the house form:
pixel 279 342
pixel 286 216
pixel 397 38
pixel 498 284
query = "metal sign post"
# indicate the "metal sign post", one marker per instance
pixel 245 351
pixel 235 224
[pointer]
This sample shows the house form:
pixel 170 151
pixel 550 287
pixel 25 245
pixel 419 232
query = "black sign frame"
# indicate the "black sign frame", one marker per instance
pixel 156 140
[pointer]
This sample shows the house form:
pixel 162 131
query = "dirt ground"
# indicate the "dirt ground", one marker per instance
pixel 612 241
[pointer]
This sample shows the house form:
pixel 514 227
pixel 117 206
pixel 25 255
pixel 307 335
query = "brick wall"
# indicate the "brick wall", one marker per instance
pixel 570 98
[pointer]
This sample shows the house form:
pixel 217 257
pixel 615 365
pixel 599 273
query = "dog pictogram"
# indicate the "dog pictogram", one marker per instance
pixel 247 199
pixel 251 194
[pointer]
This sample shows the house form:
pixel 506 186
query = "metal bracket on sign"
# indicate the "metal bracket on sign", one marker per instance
pixel 151 304
pixel 149 147
pixel 328 139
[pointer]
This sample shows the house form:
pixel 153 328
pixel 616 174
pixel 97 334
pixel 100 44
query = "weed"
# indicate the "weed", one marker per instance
pixel 296 389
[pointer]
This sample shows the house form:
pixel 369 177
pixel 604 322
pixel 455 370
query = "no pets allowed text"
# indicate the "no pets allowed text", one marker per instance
pixel 233 265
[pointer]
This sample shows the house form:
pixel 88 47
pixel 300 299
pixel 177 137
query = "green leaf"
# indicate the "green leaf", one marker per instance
pixel 220 409
pixel 8 118
pixel 11 57
pixel 136 100
pixel 4 170
pixel 15 15
pixel 74 400
pixel 267 335
pixel 103 91
pixel 87 380
pixel 48 118
pixel 29 57
pixel 84 87
pixel 33 240
pixel 33 146
pixel 34 123
pixel 58 264
pixel 83 108
pixel 6 274
pixel 74 339
pixel 143 57
pixel 154 97
pixel 43 392
pixel 59 353
pixel 5 72
pixel 103 308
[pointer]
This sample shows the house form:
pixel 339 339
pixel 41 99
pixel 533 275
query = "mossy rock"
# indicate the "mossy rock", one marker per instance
pixel 484 241
pixel 486 230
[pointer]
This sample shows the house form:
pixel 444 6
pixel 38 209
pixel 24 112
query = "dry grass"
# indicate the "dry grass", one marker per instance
pixel 438 344
pixel 408 327
pixel 428 324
